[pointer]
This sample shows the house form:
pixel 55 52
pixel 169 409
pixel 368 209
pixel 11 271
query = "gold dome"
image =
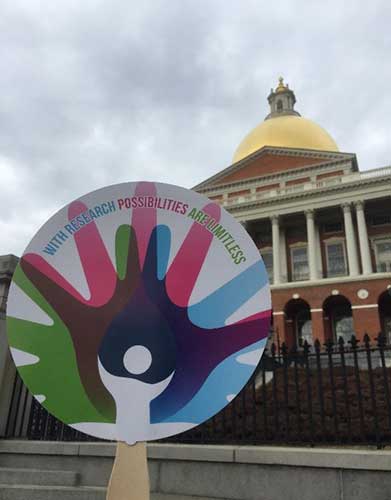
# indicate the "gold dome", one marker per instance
pixel 285 131
pixel 284 127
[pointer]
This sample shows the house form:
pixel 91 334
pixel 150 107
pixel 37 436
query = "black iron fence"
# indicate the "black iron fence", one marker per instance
pixel 333 393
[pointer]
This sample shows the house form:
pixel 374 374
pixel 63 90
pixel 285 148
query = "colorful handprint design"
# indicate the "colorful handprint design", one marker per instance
pixel 135 360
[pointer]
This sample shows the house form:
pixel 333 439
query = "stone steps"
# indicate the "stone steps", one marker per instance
pixel 18 476
pixel 38 484
pixel 39 492
pixel 168 496
pixel 92 464
pixel 35 470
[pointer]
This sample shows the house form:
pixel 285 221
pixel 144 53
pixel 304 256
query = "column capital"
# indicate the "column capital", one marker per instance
pixel 359 204
pixel 275 219
pixel 309 213
pixel 346 207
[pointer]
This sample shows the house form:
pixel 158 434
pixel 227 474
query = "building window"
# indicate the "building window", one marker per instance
pixel 267 256
pixel 381 220
pixel 299 259
pixel 336 259
pixel 383 255
pixel 279 106
pixel 332 227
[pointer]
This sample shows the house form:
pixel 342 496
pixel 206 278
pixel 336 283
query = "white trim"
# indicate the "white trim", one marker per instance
pixel 380 238
pixel 299 244
pixel 365 306
pixel 278 313
pixel 314 198
pixel 334 239
pixel 316 310
pixel 340 280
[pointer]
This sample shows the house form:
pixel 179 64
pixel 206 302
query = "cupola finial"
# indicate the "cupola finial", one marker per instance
pixel 281 100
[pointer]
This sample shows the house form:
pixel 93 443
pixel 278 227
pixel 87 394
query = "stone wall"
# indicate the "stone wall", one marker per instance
pixel 184 472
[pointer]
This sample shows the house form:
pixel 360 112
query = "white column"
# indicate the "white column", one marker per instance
pixel 276 249
pixel 318 252
pixel 350 240
pixel 309 214
pixel 283 259
pixel 365 252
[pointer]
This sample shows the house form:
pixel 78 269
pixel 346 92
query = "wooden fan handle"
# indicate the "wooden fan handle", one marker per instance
pixel 129 478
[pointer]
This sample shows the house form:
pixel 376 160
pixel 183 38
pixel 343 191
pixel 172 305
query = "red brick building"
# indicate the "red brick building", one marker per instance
pixel 322 226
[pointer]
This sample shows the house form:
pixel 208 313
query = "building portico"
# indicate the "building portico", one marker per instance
pixel 330 250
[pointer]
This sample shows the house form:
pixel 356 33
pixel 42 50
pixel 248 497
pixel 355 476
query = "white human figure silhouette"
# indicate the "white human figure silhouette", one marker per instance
pixel 133 397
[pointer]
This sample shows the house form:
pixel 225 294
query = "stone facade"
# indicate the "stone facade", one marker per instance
pixel 324 228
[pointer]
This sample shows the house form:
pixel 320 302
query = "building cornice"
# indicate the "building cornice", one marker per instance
pixel 340 280
pixel 305 153
pixel 278 176
pixel 307 194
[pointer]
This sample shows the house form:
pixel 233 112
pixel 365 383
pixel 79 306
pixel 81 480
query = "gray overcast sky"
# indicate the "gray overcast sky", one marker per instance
pixel 95 93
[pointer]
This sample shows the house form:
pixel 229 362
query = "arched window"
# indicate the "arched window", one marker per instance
pixel 339 312
pixel 385 313
pixel 342 323
pixel 279 106
pixel 298 315
pixel 303 327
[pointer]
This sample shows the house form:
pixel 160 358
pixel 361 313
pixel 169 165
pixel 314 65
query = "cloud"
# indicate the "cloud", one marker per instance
pixel 95 93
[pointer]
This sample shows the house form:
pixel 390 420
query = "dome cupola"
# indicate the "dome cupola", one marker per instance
pixel 282 101
pixel 284 127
